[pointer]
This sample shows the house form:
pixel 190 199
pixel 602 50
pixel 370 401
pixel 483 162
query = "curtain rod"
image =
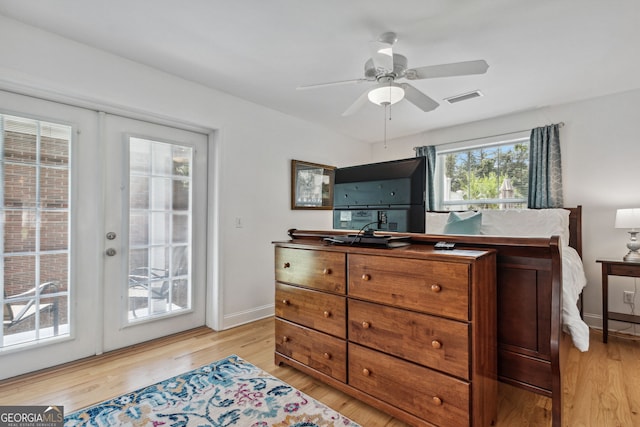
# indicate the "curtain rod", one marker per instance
pixel 561 124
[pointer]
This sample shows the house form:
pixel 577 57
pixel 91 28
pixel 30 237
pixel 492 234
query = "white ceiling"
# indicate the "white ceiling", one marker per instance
pixel 540 53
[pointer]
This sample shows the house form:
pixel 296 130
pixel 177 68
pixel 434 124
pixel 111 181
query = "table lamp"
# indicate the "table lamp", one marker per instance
pixel 630 218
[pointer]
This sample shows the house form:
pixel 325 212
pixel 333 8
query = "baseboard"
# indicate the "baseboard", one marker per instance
pixel 595 321
pixel 592 320
pixel 242 317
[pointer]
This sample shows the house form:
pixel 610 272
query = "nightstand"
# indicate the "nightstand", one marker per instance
pixel 615 268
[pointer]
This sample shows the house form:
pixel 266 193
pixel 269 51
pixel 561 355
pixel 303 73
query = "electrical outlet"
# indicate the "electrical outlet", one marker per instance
pixel 628 297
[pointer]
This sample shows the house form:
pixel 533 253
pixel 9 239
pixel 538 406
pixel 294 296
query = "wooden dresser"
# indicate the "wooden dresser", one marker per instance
pixel 410 330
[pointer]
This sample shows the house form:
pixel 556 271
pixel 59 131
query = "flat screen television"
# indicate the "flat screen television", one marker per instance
pixel 386 196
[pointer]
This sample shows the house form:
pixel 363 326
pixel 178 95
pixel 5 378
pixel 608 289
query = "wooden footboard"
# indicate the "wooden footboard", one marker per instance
pixel 529 285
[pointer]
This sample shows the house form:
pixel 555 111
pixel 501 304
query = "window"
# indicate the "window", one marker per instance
pixel 493 176
pixel 35 209
pixel 159 228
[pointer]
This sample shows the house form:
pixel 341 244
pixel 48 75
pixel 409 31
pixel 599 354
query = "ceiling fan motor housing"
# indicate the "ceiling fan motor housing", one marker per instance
pixel 399 68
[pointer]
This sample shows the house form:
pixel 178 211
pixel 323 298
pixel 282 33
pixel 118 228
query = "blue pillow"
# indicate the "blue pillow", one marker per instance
pixel 457 225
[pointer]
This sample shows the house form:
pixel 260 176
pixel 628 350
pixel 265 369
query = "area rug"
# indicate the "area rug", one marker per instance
pixel 229 392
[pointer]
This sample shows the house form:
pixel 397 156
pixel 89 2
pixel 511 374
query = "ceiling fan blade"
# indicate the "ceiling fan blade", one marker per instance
pixel 362 99
pixel 418 98
pixel 382 55
pixel 337 83
pixel 448 70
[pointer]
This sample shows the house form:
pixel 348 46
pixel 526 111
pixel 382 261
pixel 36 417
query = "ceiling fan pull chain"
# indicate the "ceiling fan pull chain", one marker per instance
pixel 385 124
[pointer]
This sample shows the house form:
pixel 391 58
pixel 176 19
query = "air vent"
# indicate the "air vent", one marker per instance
pixel 463 97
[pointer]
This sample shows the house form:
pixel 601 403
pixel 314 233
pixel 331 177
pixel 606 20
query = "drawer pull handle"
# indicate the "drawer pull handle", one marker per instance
pixel 436 344
pixel 366 277
pixel 286 265
pixel 437 401
pixel 436 288
pixel 326 314
pixel 326 356
pixel 285 339
pixel 366 372
pixel 326 271
pixel 285 302
pixel 366 325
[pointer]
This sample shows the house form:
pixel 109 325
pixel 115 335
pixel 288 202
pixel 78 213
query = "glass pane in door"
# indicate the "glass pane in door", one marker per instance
pixel 160 218
pixel 34 192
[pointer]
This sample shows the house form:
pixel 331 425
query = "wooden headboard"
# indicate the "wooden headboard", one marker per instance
pixel 575 228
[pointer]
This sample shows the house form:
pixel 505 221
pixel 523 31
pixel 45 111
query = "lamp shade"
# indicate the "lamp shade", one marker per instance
pixel 628 218
pixel 386 94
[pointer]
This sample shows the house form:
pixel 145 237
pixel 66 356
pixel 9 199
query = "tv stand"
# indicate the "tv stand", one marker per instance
pixel 411 331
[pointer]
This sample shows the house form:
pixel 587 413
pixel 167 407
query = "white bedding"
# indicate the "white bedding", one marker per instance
pixel 537 223
pixel 573 281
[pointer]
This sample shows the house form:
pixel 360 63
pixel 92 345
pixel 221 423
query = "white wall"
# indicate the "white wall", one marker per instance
pixel 254 147
pixel 600 146
pixel 600 150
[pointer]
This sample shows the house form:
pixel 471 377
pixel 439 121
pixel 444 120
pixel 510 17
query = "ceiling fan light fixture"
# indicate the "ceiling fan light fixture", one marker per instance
pixel 386 94
pixel 386 51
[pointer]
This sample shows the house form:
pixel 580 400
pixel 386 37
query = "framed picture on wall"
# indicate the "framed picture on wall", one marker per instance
pixel 311 185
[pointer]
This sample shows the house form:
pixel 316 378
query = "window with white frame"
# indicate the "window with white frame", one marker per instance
pixel 493 175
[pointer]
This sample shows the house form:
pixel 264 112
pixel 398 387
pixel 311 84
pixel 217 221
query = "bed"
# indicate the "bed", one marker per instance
pixel 540 278
pixel 533 223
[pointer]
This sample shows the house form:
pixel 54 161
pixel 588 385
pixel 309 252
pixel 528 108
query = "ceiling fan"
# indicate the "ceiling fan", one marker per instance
pixel 385 68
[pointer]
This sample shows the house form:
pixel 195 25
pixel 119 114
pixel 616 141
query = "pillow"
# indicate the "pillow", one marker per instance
pixel 435 222
pixel 527 223
pixel 459 225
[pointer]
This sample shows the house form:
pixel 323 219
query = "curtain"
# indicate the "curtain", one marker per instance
pixel 545 169
pixel 429 151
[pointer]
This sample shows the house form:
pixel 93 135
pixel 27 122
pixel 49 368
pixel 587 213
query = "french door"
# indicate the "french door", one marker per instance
pixel 102 232
pixel 50 181
pixel 155 230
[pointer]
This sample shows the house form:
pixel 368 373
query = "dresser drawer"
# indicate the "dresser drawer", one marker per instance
pixel 319 351
pixel 318 310
pixel 314 269
pixel 434 287
pixel 434 342
pixel 430 395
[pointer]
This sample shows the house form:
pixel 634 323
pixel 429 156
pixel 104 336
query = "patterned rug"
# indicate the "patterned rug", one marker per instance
pixel 229 392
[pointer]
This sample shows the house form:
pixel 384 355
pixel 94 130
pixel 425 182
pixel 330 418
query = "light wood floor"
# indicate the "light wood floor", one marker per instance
pixel 602 386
